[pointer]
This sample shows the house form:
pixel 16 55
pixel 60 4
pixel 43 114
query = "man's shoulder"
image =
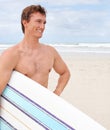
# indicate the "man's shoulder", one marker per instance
pixel 50 47
pixel 11 51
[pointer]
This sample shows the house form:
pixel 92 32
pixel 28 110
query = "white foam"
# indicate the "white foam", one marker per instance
pixel 75 47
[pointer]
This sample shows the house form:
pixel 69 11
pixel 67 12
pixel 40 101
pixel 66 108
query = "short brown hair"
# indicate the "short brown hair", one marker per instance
pixel 26 13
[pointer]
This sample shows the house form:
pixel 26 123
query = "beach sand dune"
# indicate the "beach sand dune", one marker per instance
pixel 89 86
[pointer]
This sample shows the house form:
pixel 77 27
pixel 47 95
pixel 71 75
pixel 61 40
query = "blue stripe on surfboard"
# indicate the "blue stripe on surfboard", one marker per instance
pixel 4 125
pixel 34 110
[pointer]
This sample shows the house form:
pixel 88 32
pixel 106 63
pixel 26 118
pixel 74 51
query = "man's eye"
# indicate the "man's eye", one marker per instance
pixel 45 22
pixel 39 21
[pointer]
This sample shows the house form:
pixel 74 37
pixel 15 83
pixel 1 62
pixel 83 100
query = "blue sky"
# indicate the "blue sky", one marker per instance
pixel 68 21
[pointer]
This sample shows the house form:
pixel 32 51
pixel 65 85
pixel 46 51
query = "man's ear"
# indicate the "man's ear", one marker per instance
pixel 24 22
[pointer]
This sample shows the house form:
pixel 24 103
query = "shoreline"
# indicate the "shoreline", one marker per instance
pixel 74 48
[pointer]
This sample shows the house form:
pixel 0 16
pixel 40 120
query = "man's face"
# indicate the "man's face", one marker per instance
pixel 36 25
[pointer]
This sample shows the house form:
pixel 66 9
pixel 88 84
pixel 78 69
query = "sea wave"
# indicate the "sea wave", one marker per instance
pixel 84 47
pixel 4 46
pixel 75 47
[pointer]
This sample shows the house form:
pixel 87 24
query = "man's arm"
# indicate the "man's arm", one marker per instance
pixel 61 68
pixel 7 63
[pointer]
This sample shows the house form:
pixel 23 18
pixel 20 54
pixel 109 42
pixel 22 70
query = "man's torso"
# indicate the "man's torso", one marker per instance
pixel 36 64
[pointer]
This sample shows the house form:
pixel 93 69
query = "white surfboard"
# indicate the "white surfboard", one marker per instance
pixel 26 105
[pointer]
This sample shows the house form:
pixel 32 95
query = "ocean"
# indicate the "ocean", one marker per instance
pixel 75 47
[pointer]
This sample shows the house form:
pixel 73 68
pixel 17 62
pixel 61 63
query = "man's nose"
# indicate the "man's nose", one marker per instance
pixel 42 26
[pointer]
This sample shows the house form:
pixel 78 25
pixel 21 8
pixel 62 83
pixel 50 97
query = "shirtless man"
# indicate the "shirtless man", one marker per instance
pixel 30 57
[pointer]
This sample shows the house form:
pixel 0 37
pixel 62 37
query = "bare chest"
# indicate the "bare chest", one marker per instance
pixel 37 64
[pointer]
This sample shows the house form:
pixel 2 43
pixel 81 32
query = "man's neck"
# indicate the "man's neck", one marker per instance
pixel 30 42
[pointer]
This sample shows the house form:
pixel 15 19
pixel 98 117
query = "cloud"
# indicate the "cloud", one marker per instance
pixel 70 2
pixel 80 23
pixel 67 20
pixel 72 20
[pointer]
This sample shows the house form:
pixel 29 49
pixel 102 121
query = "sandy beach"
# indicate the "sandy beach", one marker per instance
pixel 89 86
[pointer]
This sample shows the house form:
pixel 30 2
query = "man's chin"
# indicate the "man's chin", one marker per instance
pixel 40 37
